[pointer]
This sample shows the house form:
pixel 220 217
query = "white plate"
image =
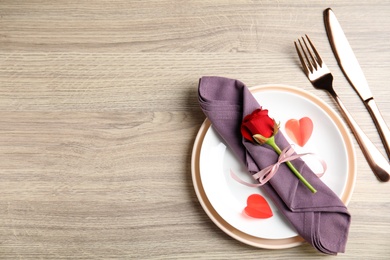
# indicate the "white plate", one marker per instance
pixel 224 199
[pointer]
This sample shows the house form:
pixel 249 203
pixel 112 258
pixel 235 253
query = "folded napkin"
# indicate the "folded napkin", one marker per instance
pixel 321 218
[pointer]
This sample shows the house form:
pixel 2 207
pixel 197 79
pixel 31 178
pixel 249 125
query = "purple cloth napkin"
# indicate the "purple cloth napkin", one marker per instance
pixel 321 218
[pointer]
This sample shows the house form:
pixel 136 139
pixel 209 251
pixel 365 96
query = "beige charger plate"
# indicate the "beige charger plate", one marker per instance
pixel 258 241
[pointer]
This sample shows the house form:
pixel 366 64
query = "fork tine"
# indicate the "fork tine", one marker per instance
pixel 318 57
pixel 311 60
pixel 303 63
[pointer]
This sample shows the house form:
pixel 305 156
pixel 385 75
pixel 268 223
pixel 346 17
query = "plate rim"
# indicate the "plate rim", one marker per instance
pixel 264 242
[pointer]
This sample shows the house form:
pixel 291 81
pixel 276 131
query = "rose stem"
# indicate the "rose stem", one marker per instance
pixel 292 168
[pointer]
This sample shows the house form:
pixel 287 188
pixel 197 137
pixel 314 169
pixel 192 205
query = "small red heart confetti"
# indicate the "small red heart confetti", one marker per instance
pixel 299 130
pixel 257 207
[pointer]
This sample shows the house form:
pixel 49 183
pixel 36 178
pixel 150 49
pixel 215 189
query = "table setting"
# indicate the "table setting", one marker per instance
pixel 240 122
pixel 205 130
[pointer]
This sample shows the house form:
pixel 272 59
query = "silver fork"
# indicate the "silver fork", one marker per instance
pixel 321 78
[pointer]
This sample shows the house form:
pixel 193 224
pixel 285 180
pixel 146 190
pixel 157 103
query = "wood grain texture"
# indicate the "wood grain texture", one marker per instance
pixel 99 112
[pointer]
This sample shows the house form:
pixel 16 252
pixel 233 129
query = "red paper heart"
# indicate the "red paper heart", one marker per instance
pixel 299 130
pixel 257 207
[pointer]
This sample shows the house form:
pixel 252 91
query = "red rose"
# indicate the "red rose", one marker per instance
pixel 259 128
pixel 257 123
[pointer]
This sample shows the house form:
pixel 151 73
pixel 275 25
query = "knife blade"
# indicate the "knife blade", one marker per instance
pixel 353 72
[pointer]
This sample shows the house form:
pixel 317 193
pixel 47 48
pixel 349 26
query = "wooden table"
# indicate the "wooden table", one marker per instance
pixel 99 113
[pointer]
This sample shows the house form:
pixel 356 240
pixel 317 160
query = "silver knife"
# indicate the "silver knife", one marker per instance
pixel 351 68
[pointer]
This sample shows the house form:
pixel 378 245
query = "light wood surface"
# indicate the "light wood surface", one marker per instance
pixel 99 112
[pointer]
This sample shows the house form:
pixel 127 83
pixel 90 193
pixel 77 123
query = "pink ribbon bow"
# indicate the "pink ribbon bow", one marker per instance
pixel 268 172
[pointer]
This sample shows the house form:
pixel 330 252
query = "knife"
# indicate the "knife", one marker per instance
pixel 351 69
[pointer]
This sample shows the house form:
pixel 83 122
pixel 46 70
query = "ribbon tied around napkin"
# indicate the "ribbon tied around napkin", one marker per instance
pixel 264 175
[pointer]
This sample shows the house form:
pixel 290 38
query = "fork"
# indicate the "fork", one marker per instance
pixel 321 78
